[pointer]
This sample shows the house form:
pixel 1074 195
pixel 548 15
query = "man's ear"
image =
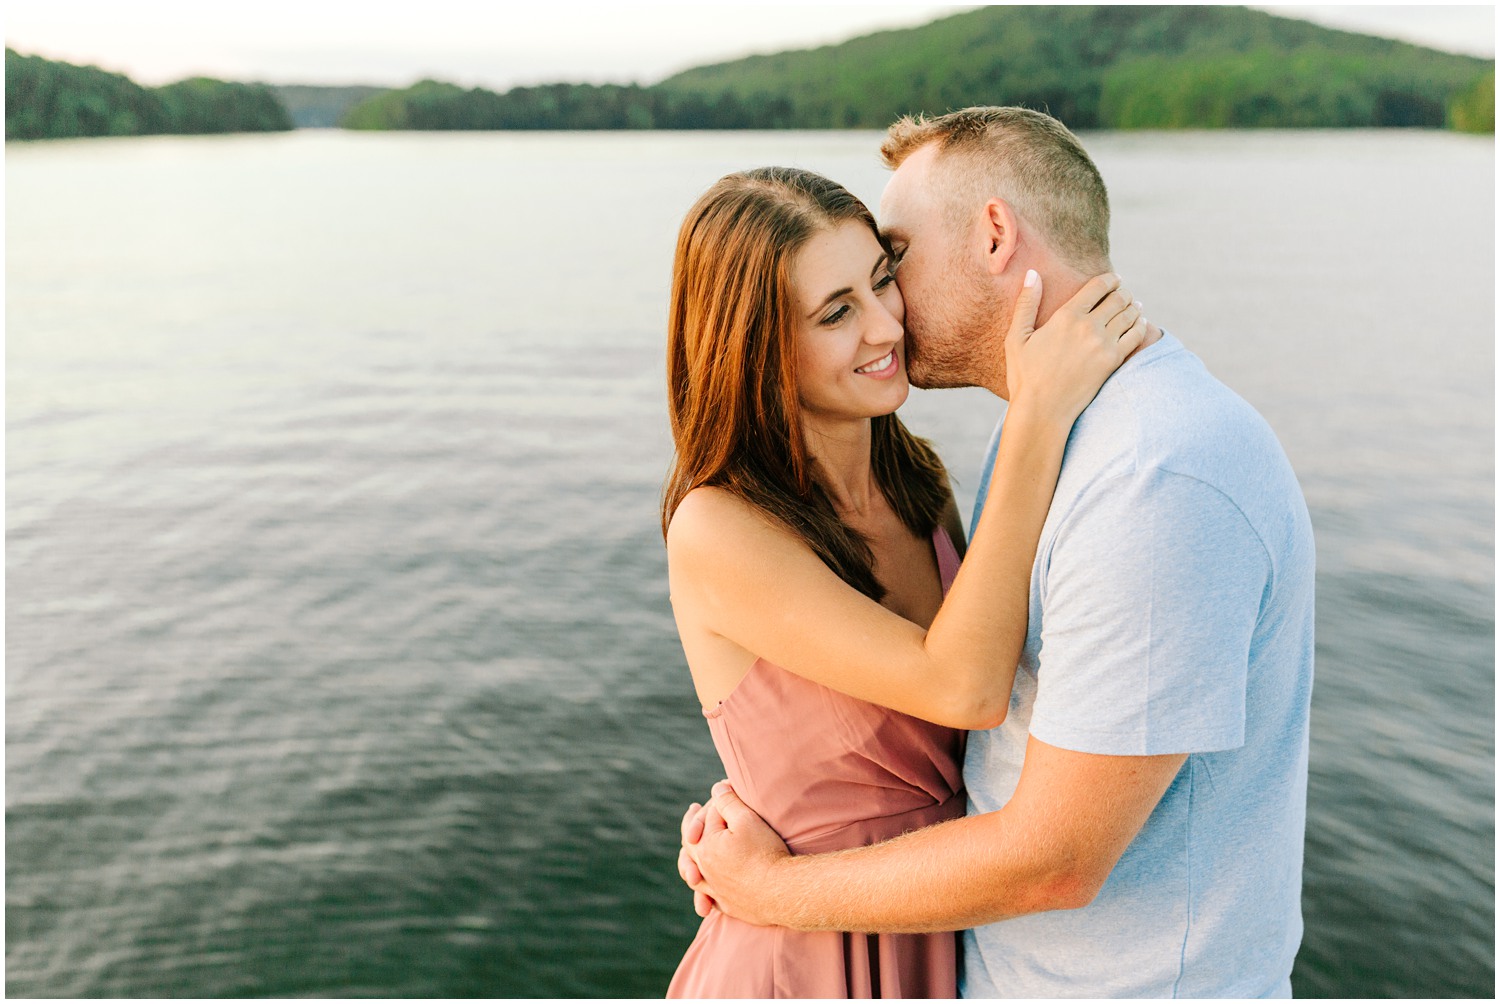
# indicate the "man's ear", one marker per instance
pixel 998 225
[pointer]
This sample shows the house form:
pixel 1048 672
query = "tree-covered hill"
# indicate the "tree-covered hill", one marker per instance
pixel 1107 67
pixel 47 99
pixel 1473 110
pixel 1094 67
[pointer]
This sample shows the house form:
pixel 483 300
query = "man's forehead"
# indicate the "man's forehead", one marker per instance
pixel 895 192
pixel 899 204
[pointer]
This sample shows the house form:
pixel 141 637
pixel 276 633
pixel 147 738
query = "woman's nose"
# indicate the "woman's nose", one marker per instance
pixel 887 325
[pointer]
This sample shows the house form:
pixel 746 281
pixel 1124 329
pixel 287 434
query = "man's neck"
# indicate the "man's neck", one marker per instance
pixel 1059 285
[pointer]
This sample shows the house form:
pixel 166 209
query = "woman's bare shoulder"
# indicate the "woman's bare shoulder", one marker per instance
pixel 707 514
pixel 713 530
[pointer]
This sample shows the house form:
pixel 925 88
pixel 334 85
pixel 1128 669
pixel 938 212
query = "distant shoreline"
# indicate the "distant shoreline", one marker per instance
pixel 1103 68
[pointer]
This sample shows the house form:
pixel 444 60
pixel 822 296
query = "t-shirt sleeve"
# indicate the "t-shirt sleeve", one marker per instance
pixel 1150 594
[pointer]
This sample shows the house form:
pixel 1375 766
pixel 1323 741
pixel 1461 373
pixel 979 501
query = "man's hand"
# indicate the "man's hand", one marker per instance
pixel 728 857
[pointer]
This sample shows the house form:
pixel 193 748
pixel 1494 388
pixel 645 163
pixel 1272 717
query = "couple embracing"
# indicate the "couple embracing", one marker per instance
pixel 1085 747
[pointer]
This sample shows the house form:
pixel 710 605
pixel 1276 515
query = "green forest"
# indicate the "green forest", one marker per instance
pixel 46 99
pixel 1107 67
pixel 1093 67
pixel 1097 67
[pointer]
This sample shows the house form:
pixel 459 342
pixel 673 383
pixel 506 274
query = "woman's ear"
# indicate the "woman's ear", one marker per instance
pixel 999 223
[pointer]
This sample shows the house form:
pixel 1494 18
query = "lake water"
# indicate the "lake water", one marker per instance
pixel 338 652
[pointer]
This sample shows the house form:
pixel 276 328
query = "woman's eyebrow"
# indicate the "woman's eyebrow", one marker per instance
pixel 830 298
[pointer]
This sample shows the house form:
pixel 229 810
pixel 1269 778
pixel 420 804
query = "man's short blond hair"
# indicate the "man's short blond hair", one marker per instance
pixel 1025 157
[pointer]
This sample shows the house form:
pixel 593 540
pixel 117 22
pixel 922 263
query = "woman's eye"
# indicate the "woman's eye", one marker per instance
pixel 836 316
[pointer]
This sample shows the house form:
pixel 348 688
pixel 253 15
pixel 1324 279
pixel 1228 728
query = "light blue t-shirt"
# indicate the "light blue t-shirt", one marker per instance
pixel 1171 612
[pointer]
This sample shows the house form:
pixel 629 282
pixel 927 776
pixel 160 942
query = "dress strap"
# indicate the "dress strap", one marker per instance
pixel 947 557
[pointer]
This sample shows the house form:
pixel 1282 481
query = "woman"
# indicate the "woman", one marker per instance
pixel 811 541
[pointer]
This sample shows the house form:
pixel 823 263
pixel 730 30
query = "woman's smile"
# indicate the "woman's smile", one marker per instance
pixel 882 368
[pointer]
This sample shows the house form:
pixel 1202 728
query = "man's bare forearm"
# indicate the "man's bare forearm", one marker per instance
pixel 1051 847
pixel 957 874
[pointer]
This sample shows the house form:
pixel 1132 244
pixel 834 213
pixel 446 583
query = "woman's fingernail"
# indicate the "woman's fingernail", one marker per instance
pixel 1031 277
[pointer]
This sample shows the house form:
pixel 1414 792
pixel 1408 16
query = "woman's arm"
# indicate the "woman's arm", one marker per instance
pixel 951 521
pixel 736 575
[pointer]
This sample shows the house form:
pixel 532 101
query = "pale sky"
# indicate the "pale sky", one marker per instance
pixel 395 42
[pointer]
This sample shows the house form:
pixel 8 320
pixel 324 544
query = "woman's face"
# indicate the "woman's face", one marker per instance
pixel 850 351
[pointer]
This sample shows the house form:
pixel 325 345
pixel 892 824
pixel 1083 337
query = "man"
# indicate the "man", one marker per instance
pixel 1135 824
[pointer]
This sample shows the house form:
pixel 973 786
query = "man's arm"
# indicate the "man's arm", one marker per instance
pixel 1050 848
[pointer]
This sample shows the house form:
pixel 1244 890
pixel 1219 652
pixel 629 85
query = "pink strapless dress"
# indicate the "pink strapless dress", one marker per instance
pixel 828 771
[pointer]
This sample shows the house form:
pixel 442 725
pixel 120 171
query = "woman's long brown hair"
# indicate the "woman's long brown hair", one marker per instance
pixel 732 378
